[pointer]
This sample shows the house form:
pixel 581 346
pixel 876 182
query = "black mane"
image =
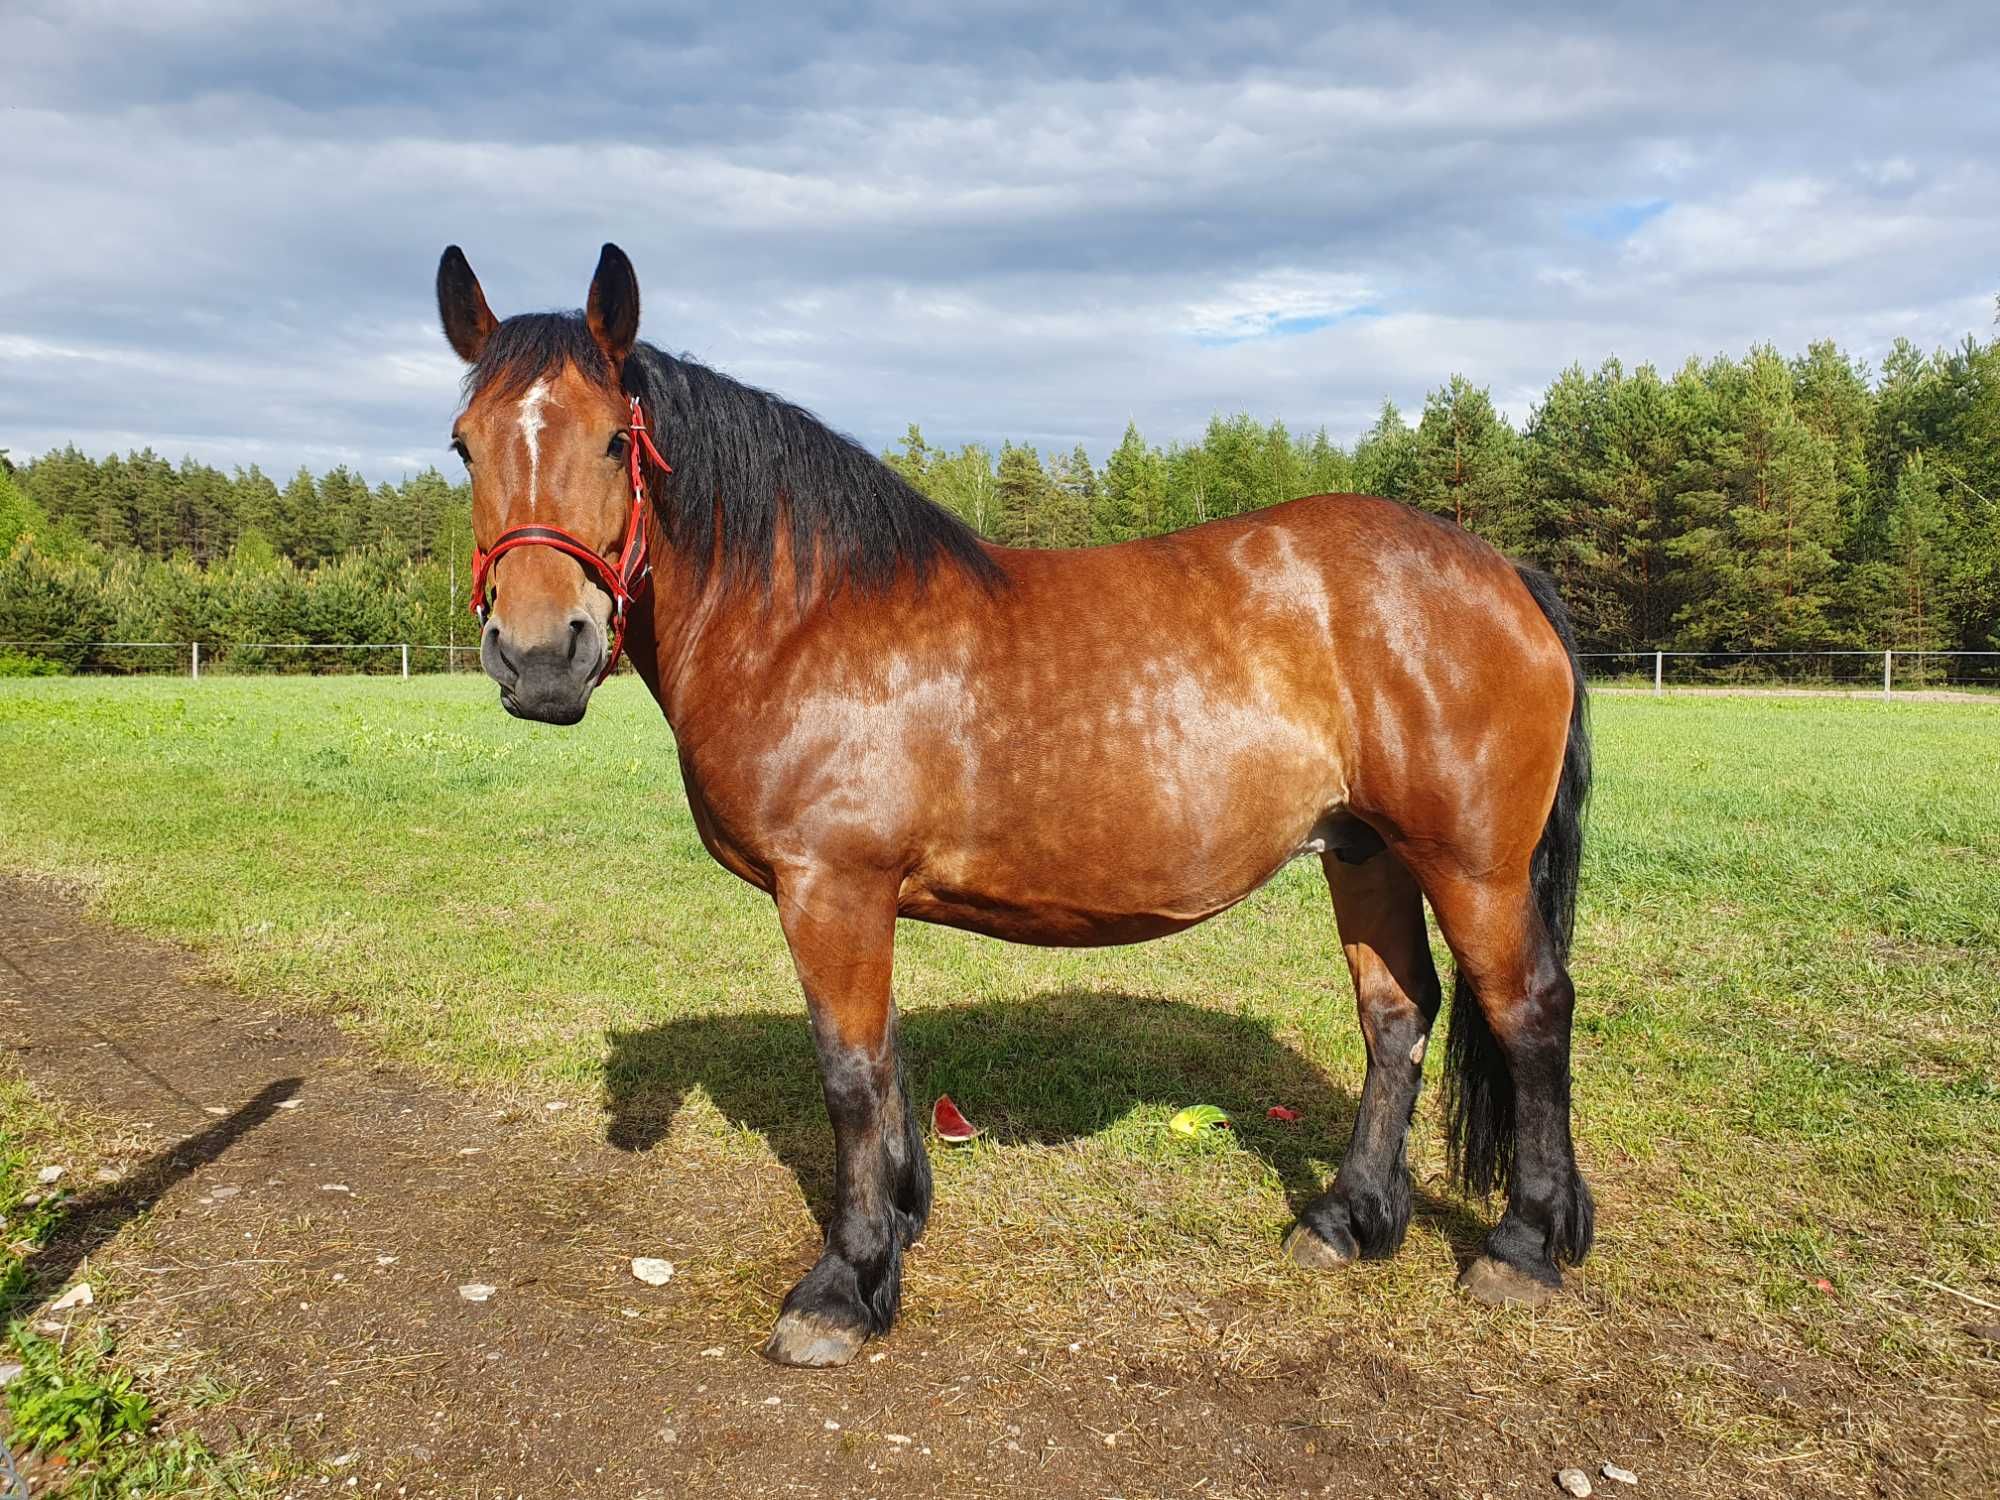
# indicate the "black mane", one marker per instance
pixel 742 458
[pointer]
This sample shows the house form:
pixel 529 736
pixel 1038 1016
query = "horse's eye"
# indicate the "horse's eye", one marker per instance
pixel 458 447
pixel 619 444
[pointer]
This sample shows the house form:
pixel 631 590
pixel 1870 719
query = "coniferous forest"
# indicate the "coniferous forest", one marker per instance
pixel 1755 504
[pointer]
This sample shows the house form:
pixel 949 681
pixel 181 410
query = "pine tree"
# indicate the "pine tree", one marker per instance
pixel 1324 467
pixel 1135 490
pixel 911 458
pixel 1918 540
pixel 1385 458
pixel 1071 500
pixel 1598 463
pixel 1466 464
pixel 298 525
pixel 1021 497
pixel 1760 491
pixel 1234 470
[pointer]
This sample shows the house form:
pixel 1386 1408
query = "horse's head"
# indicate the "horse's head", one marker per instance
pixel 545 436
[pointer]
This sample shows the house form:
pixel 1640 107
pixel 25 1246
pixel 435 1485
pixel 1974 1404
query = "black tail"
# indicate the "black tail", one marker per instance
pixel 1479 1092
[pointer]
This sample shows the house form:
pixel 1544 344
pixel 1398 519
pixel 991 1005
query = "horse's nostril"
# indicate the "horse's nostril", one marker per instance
pixel 579 634
pixel 507 660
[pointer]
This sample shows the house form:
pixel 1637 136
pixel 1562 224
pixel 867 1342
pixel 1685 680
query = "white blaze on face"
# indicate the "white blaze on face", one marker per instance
pixel 531 431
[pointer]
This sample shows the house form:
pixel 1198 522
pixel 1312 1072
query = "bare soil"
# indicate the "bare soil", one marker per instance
pixel 323 1293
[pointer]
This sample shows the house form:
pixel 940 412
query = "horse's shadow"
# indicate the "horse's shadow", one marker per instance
pixel 1053 1069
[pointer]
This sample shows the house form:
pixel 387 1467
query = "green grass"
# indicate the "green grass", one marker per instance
pixel 77 1400
pixel 1787 1047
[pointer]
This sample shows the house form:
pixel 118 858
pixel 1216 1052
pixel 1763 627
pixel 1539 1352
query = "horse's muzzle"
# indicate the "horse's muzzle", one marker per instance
pixel 548 680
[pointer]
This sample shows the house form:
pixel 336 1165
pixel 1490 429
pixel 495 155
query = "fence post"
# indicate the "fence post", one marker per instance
pixel 194 664
pixel 406 659
pixel 1887 657
pixel 1659 661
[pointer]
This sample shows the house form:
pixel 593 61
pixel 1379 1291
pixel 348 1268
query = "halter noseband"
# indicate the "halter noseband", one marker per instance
pixel 622 581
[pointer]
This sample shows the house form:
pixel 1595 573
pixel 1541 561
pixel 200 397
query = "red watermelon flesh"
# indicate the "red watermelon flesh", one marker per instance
pixel 949 1124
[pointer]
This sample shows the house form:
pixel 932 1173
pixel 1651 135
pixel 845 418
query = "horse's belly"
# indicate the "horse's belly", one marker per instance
pixel 1042 923
pixel 1076 894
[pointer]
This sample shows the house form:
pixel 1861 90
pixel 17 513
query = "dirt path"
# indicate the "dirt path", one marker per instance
pixel 296 1219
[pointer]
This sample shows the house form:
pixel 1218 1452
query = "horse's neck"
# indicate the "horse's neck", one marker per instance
pixel 705 629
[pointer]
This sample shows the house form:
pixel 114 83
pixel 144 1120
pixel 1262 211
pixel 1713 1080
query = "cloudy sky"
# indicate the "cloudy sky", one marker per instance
pixel 222 217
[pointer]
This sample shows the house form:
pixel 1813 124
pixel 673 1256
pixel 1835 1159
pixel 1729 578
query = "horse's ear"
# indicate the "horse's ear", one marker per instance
pixel 613 310
pixel 468 321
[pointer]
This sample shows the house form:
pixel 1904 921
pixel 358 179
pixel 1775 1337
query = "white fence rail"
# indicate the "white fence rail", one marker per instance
pixel 1851 671
pixel 237 657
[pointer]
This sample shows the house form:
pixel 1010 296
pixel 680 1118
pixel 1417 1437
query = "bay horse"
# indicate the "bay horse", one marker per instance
pixel 879 715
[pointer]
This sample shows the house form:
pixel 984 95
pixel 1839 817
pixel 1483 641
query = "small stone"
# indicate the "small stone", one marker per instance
pixel 774 1401
pixel 829 1424
pixel 897 1438
pixel 290 1103
pixel 628 1312
pixel 213 1109
pixel 477 1291
pixel 1986 1333
pixel 79 1295
pixel 1617 1475
pixel 219 1193
pixel 335 1187
pixel 1575 1482
pixel 652 1271
pixel 387 1260
pixel 49 1176
pixel 555 1104
pixel 669 1436
pixel 9 1373
pixel 345 1459
pixel 714 1353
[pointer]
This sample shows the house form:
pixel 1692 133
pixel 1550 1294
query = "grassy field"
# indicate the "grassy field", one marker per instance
pixel 1788 1046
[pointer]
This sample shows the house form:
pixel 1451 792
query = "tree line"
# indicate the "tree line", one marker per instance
pixel 133 548
pixel 1738 504
pixel 1752 504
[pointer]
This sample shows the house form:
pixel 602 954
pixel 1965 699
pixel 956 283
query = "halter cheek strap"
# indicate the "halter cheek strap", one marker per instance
pixel 623 579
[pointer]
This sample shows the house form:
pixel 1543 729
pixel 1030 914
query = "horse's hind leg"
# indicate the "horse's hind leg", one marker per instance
pixel 1381 917
pixel 842 933
pixel 1507 1062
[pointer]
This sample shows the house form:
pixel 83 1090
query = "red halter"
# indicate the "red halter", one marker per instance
pixel 624 580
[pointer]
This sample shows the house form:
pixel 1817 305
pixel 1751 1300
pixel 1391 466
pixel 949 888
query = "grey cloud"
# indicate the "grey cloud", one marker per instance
pixel 1023 221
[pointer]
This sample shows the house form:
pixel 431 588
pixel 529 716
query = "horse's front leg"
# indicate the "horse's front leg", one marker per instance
pixel 842 934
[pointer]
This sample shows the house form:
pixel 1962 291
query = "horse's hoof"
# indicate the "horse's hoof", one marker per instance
pixel 808 1342
pixel 1498 1284
pixel 1305 1246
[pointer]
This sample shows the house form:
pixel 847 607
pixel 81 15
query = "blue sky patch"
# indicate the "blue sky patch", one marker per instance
pixel 1616 221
